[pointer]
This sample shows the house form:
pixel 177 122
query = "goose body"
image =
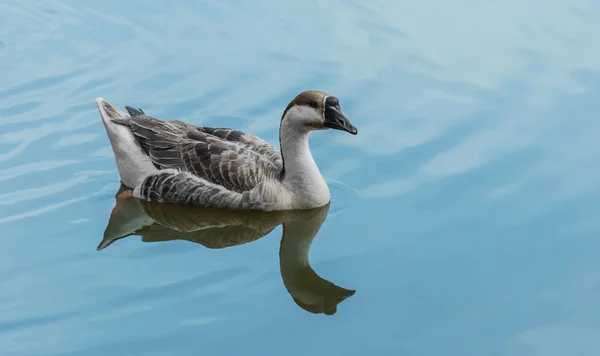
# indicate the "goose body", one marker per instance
pixel 180 163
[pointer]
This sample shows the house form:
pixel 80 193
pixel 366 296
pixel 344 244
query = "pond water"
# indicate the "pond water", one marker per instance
pixel 464 216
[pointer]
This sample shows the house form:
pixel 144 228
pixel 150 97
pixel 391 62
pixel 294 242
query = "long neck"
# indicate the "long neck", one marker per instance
pixel 300 173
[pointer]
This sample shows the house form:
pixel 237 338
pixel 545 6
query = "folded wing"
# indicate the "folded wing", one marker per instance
pixel 229 158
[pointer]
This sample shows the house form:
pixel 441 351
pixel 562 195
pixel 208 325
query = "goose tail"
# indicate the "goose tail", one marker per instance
pixel 133 163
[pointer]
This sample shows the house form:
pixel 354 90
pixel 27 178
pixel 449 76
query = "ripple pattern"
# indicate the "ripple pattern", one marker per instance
pixel 465 208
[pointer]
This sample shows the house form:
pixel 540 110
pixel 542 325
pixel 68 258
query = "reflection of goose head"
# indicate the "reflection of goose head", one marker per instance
pixel 220 228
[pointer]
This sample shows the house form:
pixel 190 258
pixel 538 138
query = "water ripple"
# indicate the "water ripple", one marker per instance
pixel 54 188
pixel 42 166
pixel 15 151
pixel 39 211
pixel 473 170
pixel 41 83
pixel 16 325
pixel 21 108
pixel 109 188
pixel 75 140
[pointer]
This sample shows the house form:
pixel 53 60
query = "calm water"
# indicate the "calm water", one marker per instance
pixel 464 216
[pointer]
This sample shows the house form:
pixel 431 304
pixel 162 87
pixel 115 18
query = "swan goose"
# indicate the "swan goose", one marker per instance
pixel 180 163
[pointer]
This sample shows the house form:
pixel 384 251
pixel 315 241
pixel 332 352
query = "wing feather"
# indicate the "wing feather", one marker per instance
pixel 172 186
pixel 230 158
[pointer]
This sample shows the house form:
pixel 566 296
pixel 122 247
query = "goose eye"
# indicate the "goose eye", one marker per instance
pixel 313 104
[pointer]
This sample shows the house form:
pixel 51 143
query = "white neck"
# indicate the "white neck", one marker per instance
pixel 301 175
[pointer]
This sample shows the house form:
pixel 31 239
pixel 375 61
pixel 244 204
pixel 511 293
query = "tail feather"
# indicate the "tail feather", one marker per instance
pixel 135 112
pixel 133 163
pixel 121 121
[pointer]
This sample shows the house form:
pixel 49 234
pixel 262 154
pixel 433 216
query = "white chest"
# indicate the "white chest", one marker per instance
pixel 307 189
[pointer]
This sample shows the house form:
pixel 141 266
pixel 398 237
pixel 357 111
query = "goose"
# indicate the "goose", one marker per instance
pixel 223 228
pixel 177 162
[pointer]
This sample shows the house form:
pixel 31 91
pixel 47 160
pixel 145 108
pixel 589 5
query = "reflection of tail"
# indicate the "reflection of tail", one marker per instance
pixel 132 161
pixel 127 217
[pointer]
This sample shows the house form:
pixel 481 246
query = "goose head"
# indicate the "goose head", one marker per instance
pixel 316 110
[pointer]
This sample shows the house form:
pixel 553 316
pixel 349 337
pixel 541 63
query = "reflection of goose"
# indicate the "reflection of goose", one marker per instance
pixel 220 228
pixel 176 162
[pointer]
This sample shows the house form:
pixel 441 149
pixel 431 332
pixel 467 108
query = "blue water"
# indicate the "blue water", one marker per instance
pixel 464 214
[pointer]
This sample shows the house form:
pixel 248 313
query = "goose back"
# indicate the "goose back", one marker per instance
pixel 232 159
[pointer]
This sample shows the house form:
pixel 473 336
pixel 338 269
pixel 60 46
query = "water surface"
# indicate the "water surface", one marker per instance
pixel 464 215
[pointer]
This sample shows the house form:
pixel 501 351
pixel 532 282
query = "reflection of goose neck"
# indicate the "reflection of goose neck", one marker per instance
pixel 301 281
pixel 297 237
pixel 295 244
pixel 311 292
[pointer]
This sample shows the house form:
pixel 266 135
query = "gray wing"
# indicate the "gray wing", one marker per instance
pixel 172 186
pixel 233 159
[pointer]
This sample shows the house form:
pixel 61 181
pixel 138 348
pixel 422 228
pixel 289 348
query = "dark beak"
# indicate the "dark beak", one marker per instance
pixel 334 119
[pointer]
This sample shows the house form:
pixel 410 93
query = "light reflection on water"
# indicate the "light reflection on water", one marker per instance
pixel 463 213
